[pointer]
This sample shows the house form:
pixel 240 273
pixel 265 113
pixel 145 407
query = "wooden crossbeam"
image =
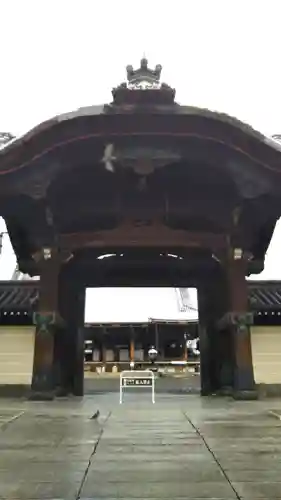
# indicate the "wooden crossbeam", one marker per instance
pixel 155 235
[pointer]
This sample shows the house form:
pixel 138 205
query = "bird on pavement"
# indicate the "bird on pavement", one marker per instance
pixel 95 416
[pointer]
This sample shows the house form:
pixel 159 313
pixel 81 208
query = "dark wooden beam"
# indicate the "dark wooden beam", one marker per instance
pixel 140 277
pixel 213 212
pixel 154 235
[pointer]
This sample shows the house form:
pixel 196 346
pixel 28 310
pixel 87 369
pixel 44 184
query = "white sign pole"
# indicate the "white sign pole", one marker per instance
pixel 138 378
pixel 153 388
pixel 121 389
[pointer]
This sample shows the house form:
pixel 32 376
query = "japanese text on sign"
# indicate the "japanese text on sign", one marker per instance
pixel 140 378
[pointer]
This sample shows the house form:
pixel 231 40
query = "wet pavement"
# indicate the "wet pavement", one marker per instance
pixel 183 447
pixel 174 384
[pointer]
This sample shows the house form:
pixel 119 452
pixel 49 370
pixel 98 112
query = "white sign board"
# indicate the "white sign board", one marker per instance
pixel 137 379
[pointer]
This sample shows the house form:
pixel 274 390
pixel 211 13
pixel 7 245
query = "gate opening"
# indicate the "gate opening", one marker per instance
pixel 122 325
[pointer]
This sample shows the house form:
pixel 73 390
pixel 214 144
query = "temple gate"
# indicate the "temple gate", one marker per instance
pixel 141 178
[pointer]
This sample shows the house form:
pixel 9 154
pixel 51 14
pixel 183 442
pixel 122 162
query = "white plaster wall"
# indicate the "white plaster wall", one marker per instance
pixel 16 354
pixel 266 351
pixel 8 259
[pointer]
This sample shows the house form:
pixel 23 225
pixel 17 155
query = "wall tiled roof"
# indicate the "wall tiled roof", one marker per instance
pixel 23 295
pixel 265 295
pixel 18 295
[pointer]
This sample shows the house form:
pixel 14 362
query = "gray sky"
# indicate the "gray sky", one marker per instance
pixel 58 55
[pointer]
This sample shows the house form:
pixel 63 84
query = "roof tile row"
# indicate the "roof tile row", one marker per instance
pixel 23 295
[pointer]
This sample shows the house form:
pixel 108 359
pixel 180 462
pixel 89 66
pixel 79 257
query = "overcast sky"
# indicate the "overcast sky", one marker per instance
pixel 58 55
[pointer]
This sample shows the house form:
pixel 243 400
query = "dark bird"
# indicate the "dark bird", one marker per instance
pixel 95 416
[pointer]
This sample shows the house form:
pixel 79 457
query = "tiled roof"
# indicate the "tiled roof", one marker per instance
pixel 23 295
pixel 265 295
pixel 18 295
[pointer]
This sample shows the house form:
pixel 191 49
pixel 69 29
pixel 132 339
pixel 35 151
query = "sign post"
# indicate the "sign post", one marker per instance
pixel 139 379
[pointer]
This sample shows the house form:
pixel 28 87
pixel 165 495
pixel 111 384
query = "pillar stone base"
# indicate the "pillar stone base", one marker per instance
pixel 244 378
pixel 42 387
pixel 204 392
pixel 245 395
pixel 61 392
pixel 226 391
pixel 41 396
pixel 43 377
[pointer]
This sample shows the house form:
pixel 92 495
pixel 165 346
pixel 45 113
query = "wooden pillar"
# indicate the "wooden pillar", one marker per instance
pixel 132 345
pixel 72 297
pixel 78 375
pixel 239 320
pixel 132 350
pixel 207 383
pixel 185 353
pixel 46 320
pixel 224 339
pixel 150 339
pixel 215 365
pixel 156 336
pixel 65 341
pixel 103 348
pixel 226 361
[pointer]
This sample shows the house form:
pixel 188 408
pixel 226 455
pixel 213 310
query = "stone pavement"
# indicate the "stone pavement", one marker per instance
pixel 183 447
pixel 170 383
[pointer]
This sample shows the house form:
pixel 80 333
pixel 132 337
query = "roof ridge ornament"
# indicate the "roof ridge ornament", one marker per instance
pixel 143 77
pixel 142 89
